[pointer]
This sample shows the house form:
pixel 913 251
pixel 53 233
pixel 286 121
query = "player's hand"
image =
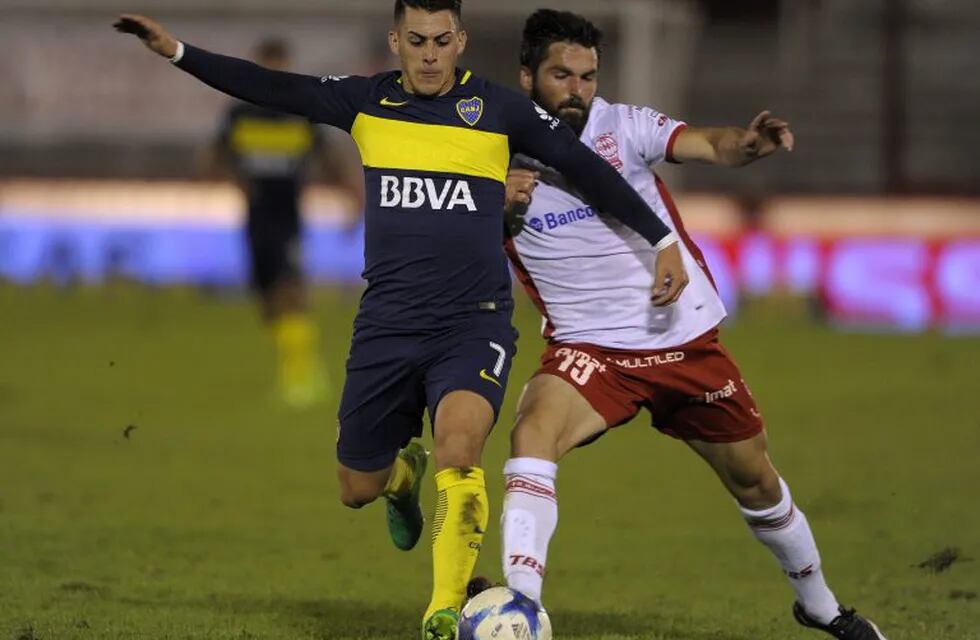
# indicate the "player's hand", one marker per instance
pixel 520 189
pixel 670 277
pixel 764 136
pixel 153 35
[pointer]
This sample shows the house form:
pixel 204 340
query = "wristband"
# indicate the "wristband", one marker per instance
pixel 669 239
pixel 180 53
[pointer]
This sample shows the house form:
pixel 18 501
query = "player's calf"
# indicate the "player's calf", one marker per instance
pixel 463 422
pixel 767 506
pixel 531 438
pixel 745 470
pixel 529 520
pixel 552 419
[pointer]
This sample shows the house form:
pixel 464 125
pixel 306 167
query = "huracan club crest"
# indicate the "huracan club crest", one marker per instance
pixel 470 110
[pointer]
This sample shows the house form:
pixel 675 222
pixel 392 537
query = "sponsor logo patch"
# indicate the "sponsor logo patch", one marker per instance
pixel 527 561
pixel 490 378
pixel 553 220
pixel 709 397
pixel 432 193
pixel 802 573
pixel 655 360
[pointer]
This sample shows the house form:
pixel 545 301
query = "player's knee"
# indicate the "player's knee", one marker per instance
pixel 356 498
pixel 757 486
pixel 357 492
pixel 457 449
pixel 769 489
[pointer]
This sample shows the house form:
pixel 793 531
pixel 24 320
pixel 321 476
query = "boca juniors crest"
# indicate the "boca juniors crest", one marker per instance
pixel 470 110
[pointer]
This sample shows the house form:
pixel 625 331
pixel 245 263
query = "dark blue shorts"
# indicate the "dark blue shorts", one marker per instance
pixel 274 244
pixel 393 379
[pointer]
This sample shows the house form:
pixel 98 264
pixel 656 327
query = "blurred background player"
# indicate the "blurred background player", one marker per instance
pixel 610 352
pixel 271 155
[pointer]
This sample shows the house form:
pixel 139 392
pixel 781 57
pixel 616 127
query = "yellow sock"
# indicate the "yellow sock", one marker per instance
pixel 297 344
pixel 462 513
pixel 401 479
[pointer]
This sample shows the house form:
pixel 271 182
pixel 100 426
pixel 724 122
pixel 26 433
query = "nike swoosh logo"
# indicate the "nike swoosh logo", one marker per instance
pixel 487 376
pixel 385 102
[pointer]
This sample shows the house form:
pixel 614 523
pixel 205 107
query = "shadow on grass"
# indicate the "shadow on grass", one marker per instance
pixel 350 619
pixel 338 619
pixel 577 624
pixel 329 618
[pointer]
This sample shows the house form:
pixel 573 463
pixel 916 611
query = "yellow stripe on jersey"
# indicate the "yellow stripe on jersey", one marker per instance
pixel 466 77
pixel 254 135
pixel 394 144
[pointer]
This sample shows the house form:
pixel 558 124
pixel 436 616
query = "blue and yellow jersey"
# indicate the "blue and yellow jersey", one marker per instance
pixel 270 152
pixel 435 170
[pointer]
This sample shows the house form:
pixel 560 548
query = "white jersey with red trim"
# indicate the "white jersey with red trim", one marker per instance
pixel 591 276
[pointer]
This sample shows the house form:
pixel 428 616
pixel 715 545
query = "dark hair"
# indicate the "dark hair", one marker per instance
pixel 456 6
pixel 275 48
pixel 547 26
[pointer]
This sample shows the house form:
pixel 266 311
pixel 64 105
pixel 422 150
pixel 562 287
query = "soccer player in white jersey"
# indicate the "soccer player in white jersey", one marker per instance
pixel 611 352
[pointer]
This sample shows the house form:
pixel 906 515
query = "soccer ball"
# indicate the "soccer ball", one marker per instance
pixel 503 614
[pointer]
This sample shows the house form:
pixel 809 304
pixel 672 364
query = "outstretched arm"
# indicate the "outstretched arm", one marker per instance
pixel 296 93
pixel 733 146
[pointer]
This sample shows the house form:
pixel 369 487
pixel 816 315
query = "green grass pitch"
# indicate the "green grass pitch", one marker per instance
pixel 151 487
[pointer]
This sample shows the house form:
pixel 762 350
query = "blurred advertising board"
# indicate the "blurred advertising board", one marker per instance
pixel 908 264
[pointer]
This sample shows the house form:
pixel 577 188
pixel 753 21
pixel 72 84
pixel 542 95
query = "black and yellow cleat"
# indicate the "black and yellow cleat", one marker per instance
pixel 847 626
pixel 405 519
pixel 441 625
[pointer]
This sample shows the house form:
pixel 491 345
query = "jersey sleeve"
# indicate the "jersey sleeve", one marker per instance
pixel 653 133
pixel 534 132
pixel 332 100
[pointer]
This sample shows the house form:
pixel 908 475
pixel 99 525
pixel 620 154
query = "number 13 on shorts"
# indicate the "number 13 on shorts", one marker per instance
pixel 584 365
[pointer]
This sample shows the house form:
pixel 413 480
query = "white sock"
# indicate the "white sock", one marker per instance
pixel 785 530
pixel 528 522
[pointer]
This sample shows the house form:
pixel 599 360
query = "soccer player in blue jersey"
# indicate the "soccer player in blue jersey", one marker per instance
pixel 433 331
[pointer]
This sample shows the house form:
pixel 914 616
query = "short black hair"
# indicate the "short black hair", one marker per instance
pixel 272 47
pixel 547 26
pixel 456 6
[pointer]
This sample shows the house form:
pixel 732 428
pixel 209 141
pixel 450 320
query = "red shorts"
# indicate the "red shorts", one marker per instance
pixel 693 392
